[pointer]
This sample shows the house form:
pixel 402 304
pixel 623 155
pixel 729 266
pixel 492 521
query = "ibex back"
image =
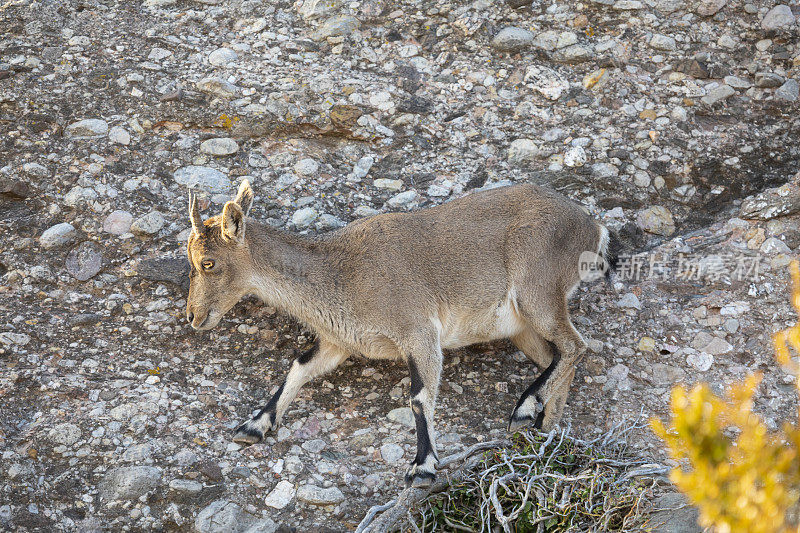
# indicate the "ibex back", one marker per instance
pixel 491 265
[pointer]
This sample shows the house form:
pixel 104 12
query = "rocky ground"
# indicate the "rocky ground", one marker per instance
pixel 677 123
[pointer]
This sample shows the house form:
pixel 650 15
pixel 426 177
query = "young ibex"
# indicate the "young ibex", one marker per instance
pixel 492 265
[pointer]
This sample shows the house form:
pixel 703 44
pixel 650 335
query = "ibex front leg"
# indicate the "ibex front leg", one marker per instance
pixel 425 368
pixel 319 360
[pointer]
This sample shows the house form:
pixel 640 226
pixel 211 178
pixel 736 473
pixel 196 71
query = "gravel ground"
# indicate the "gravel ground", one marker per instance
pixel 676 123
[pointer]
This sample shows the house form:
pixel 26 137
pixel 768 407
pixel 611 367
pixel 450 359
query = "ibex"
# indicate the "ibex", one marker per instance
pixel 494 264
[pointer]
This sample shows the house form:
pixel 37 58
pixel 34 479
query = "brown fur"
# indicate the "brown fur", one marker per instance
pixel 494 264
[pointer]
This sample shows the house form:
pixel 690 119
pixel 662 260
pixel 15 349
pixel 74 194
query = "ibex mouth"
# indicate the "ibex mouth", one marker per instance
pixel 198 324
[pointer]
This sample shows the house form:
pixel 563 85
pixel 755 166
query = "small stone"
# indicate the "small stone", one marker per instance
pixel 187 487
pixel 737 82
pixel 718 93
pixel 118 135
pixel 222 57
pixel 403 200
pixel 777 18
pixel 129 482
pixel 340 25
pixel 595 79
pixel 313 9
pixel 524 150
pixel 627 5
pixel 8 338
pixel 392 453
pixel 701 361
pixel 87 129
pixel 306 167
pixel 217 87
pixel 58 235
pixel 546 81
pixel 547 40
pixel 646 344
pixel 205 178
pixel 403 416
pixel 158 54
pixel 281 495
pixel 665 375
pixel 79 195
pixel 149 224
pixel 789 91
pixel 767 80
pixel 604 170
pixel 630 301
pixel 36 170
pixel 577 53
pixel 391 185
pixel 663 42
pixel 138 453
pixel 219 146
pixel 118 222
pixel 84 261
pixel 314 446
pixel 318 496
pixel 512 39
pixel 566 38
pixel 65 434
pixel 575 157
pixel 773 246
pixel 225 516
pixel 707 8
pixel 302 218
pixel 657 220
pixel 718 346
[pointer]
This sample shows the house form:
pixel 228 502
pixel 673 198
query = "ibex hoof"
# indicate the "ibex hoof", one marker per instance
pixel 418 478
pixel 529 412
pixel 246 435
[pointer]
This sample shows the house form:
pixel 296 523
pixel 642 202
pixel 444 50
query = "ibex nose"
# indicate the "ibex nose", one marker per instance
pixel 190 316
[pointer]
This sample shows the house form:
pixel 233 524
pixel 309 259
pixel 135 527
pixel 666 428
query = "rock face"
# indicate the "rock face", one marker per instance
pixel 129 482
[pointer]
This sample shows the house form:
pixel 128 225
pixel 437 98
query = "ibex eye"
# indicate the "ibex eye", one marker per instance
pixel 208 264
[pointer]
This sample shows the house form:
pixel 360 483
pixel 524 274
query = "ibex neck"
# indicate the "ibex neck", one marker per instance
pixel 291 271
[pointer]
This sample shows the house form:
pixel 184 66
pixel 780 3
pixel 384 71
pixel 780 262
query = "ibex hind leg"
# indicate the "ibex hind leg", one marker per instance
pixel 318 361
pixel 552 328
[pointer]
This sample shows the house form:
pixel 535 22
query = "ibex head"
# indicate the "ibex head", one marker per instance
pixel 221 267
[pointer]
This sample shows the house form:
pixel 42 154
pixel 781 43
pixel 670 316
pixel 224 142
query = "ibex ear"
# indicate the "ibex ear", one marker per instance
pixel 245 197
pixel 233 222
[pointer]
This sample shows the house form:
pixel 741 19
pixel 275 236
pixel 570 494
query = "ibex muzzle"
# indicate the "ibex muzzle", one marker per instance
pixel 491 265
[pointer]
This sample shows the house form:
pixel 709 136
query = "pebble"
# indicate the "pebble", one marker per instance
pixel 36 170
pixel 663 42
pixel 789 91
pixel 512 39
pixel 281 496
pixel 523 151
pixel 665 375
pixel 701 361
pixel 773 245
pixel 222 57
pixel 392 453
pixel 340 25
pixel 718 93
pixel 546 81
pixel 84 261
pixel 149 224
pixel 708 8
pixel 119 135
pixel 657 220
pixel 778 18
pixel 314 495
pixel 225 516
pixel 302 218
pixel 118 222
pixel 306 167
pixel 208 179
pixel 65 434
pixel 403 416
pixel 217 87
pixel 403 200
pixel 129 482
pixel 575 157
pixel 219 146
pixel 388 184
pixel 87 129
pixel 630 301
pixel 58 235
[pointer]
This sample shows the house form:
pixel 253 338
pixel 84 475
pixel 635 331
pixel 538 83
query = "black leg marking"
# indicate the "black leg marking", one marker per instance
pixel 308 355
pixel 519 419
pixel 423 437
pixel 249 432
pixel 416 379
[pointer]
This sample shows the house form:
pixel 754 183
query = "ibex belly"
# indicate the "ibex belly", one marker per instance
pixel 462 327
